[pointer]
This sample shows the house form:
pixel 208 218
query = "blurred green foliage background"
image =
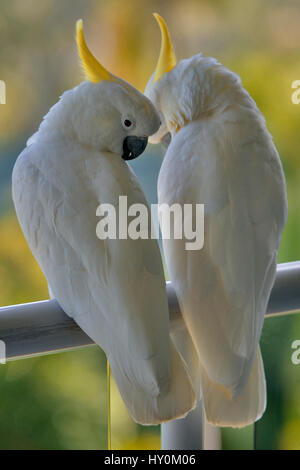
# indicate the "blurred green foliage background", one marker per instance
pixel 59 401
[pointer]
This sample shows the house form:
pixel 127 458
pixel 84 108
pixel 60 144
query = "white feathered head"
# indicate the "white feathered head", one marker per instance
pixel 190 89
pixel 103 112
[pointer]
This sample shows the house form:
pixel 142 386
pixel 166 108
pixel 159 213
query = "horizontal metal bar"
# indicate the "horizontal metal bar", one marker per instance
pixel 285 295
pixel 194 432
pixel 42 327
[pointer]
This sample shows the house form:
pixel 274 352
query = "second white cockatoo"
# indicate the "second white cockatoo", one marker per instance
pixel 220 154
pixel 114 288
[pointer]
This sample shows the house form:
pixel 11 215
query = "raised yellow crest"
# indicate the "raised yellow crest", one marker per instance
pixel 93 70
pixel 167 58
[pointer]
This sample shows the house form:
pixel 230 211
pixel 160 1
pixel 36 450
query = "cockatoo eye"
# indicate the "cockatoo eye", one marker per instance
pixel 128 123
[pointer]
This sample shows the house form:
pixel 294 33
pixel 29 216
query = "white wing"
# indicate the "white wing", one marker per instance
pixel 114 289
pixel 224 288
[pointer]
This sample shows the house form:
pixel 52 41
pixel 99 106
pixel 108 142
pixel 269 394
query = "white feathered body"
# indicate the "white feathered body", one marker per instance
pixel 221 155
pixel 114 289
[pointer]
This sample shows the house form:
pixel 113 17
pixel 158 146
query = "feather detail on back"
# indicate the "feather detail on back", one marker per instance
pixel 114 289
pixel 222 157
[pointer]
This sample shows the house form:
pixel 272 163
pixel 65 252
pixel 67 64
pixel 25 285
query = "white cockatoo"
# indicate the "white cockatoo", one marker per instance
pixel 220 154
pixel 114 288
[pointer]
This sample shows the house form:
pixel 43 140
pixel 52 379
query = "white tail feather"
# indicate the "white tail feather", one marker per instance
pixel 174 402
pixel 223 410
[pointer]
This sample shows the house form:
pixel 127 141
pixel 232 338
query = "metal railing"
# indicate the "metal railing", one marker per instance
pixel 40 328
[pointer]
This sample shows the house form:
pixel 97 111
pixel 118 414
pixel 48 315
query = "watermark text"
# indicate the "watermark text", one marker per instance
pixel 2 92
pixel 177 222
pixel 2 352
pixel 295 358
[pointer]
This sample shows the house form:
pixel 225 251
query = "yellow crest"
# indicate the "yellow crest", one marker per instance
pixel 167 58
pixel 93 70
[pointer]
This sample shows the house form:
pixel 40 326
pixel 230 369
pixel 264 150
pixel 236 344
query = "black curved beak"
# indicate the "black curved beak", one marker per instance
pixel 133 147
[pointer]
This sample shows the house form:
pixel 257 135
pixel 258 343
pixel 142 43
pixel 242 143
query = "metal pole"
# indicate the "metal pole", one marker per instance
pixel 39 328
pixel 184 434
pixel 194 432
pixel 42 327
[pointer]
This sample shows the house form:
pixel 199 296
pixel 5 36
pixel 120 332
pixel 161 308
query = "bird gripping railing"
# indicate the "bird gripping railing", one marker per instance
pixel 40 328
